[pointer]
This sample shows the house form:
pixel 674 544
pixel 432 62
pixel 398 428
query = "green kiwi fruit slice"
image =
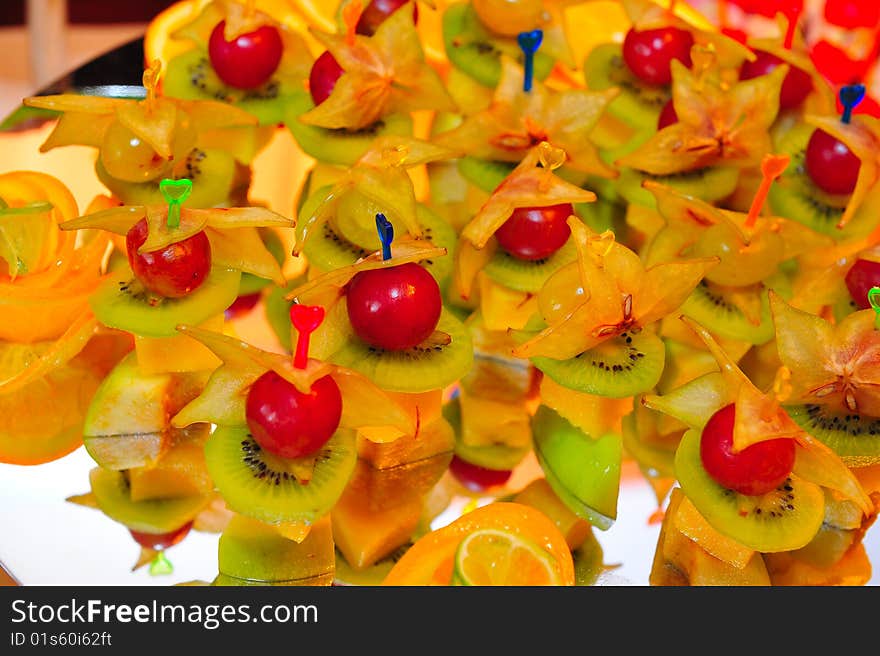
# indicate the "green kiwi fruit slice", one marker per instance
pixel 527 275
pixel 122 302
pixel 500 457
pixel 709 184
pixel 638 104
pixel 856 439
pixel 785 519
pixel 215 175
pixel 474 51
pixel 251 284
pixel 278 315
pixel 707 306
pixel 795 196
pixel 252 553
pixel 623 366
pixel 582 470
pixel 190 76
pixel 113 497
pixel 419 369
pixel 261 486
pixel 338 146
pixel 483 173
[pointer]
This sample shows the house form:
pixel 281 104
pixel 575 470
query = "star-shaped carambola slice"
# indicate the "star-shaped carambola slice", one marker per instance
pixel 750 246
pixel 517 121
pixel 223 400
pixel 383 74
pixel 862 136
pixel 169 126
pixel 836 367
pixel 619 295
pixel 532 183
pixel 231 231
pixel 719 122
pixel 380 175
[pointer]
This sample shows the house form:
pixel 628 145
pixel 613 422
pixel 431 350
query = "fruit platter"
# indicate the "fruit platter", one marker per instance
pixel 450 292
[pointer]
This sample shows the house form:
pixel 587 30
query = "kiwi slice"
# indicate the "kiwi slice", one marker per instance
pixel 419 369
pixel 527 275
pixel 583 471
pixel 261 486
pixel 252 553
pixel 638 104
pixel 215 175
pixel 191 76
pixel 278 315
pixel 338 146
pixel 708 306
pixel 709 184
pixel 251 284
pixel 483 173
pixel 856 439
pixel 122 302
pixel 476 52
pixel 500 457
pixel 785 519
pixel 113 497
pixel 623 366
pixel 795 196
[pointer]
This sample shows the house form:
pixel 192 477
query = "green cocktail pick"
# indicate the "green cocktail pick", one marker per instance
pixel 161 565
pixel 874 300
pixel 175 192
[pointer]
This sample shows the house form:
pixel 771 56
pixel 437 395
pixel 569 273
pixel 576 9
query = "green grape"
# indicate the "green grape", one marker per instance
pixel 510 17
pixel 561 293
pixel 741 264
pixel 127 157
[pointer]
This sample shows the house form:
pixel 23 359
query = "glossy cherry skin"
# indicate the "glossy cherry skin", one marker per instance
pixel 242 305
pixel 323 76
pixel 377 11
pixel 667 116
pixel 160 541
pixel 831 164
pixel 174 271
pixel 649 53
pixel 475 478
pixel 795 87
pixel 756 470
pixel 289 423
pixel 394 308
pixel 533 233
pixel 249 60
pixel 861 276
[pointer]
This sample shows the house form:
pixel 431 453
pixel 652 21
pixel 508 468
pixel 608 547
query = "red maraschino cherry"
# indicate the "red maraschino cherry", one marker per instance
pixel 861 277
pixel 829 162
pixel 393 308
pixel 179 268
pixel 795 87
pixel 756 470
pixel 475 478
pixel 249 60
pixel 323 76
pixel 284 421
pixel 534 233
pixel 649 53
pixel 160 541
pixel 377 11
pixel 667 116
